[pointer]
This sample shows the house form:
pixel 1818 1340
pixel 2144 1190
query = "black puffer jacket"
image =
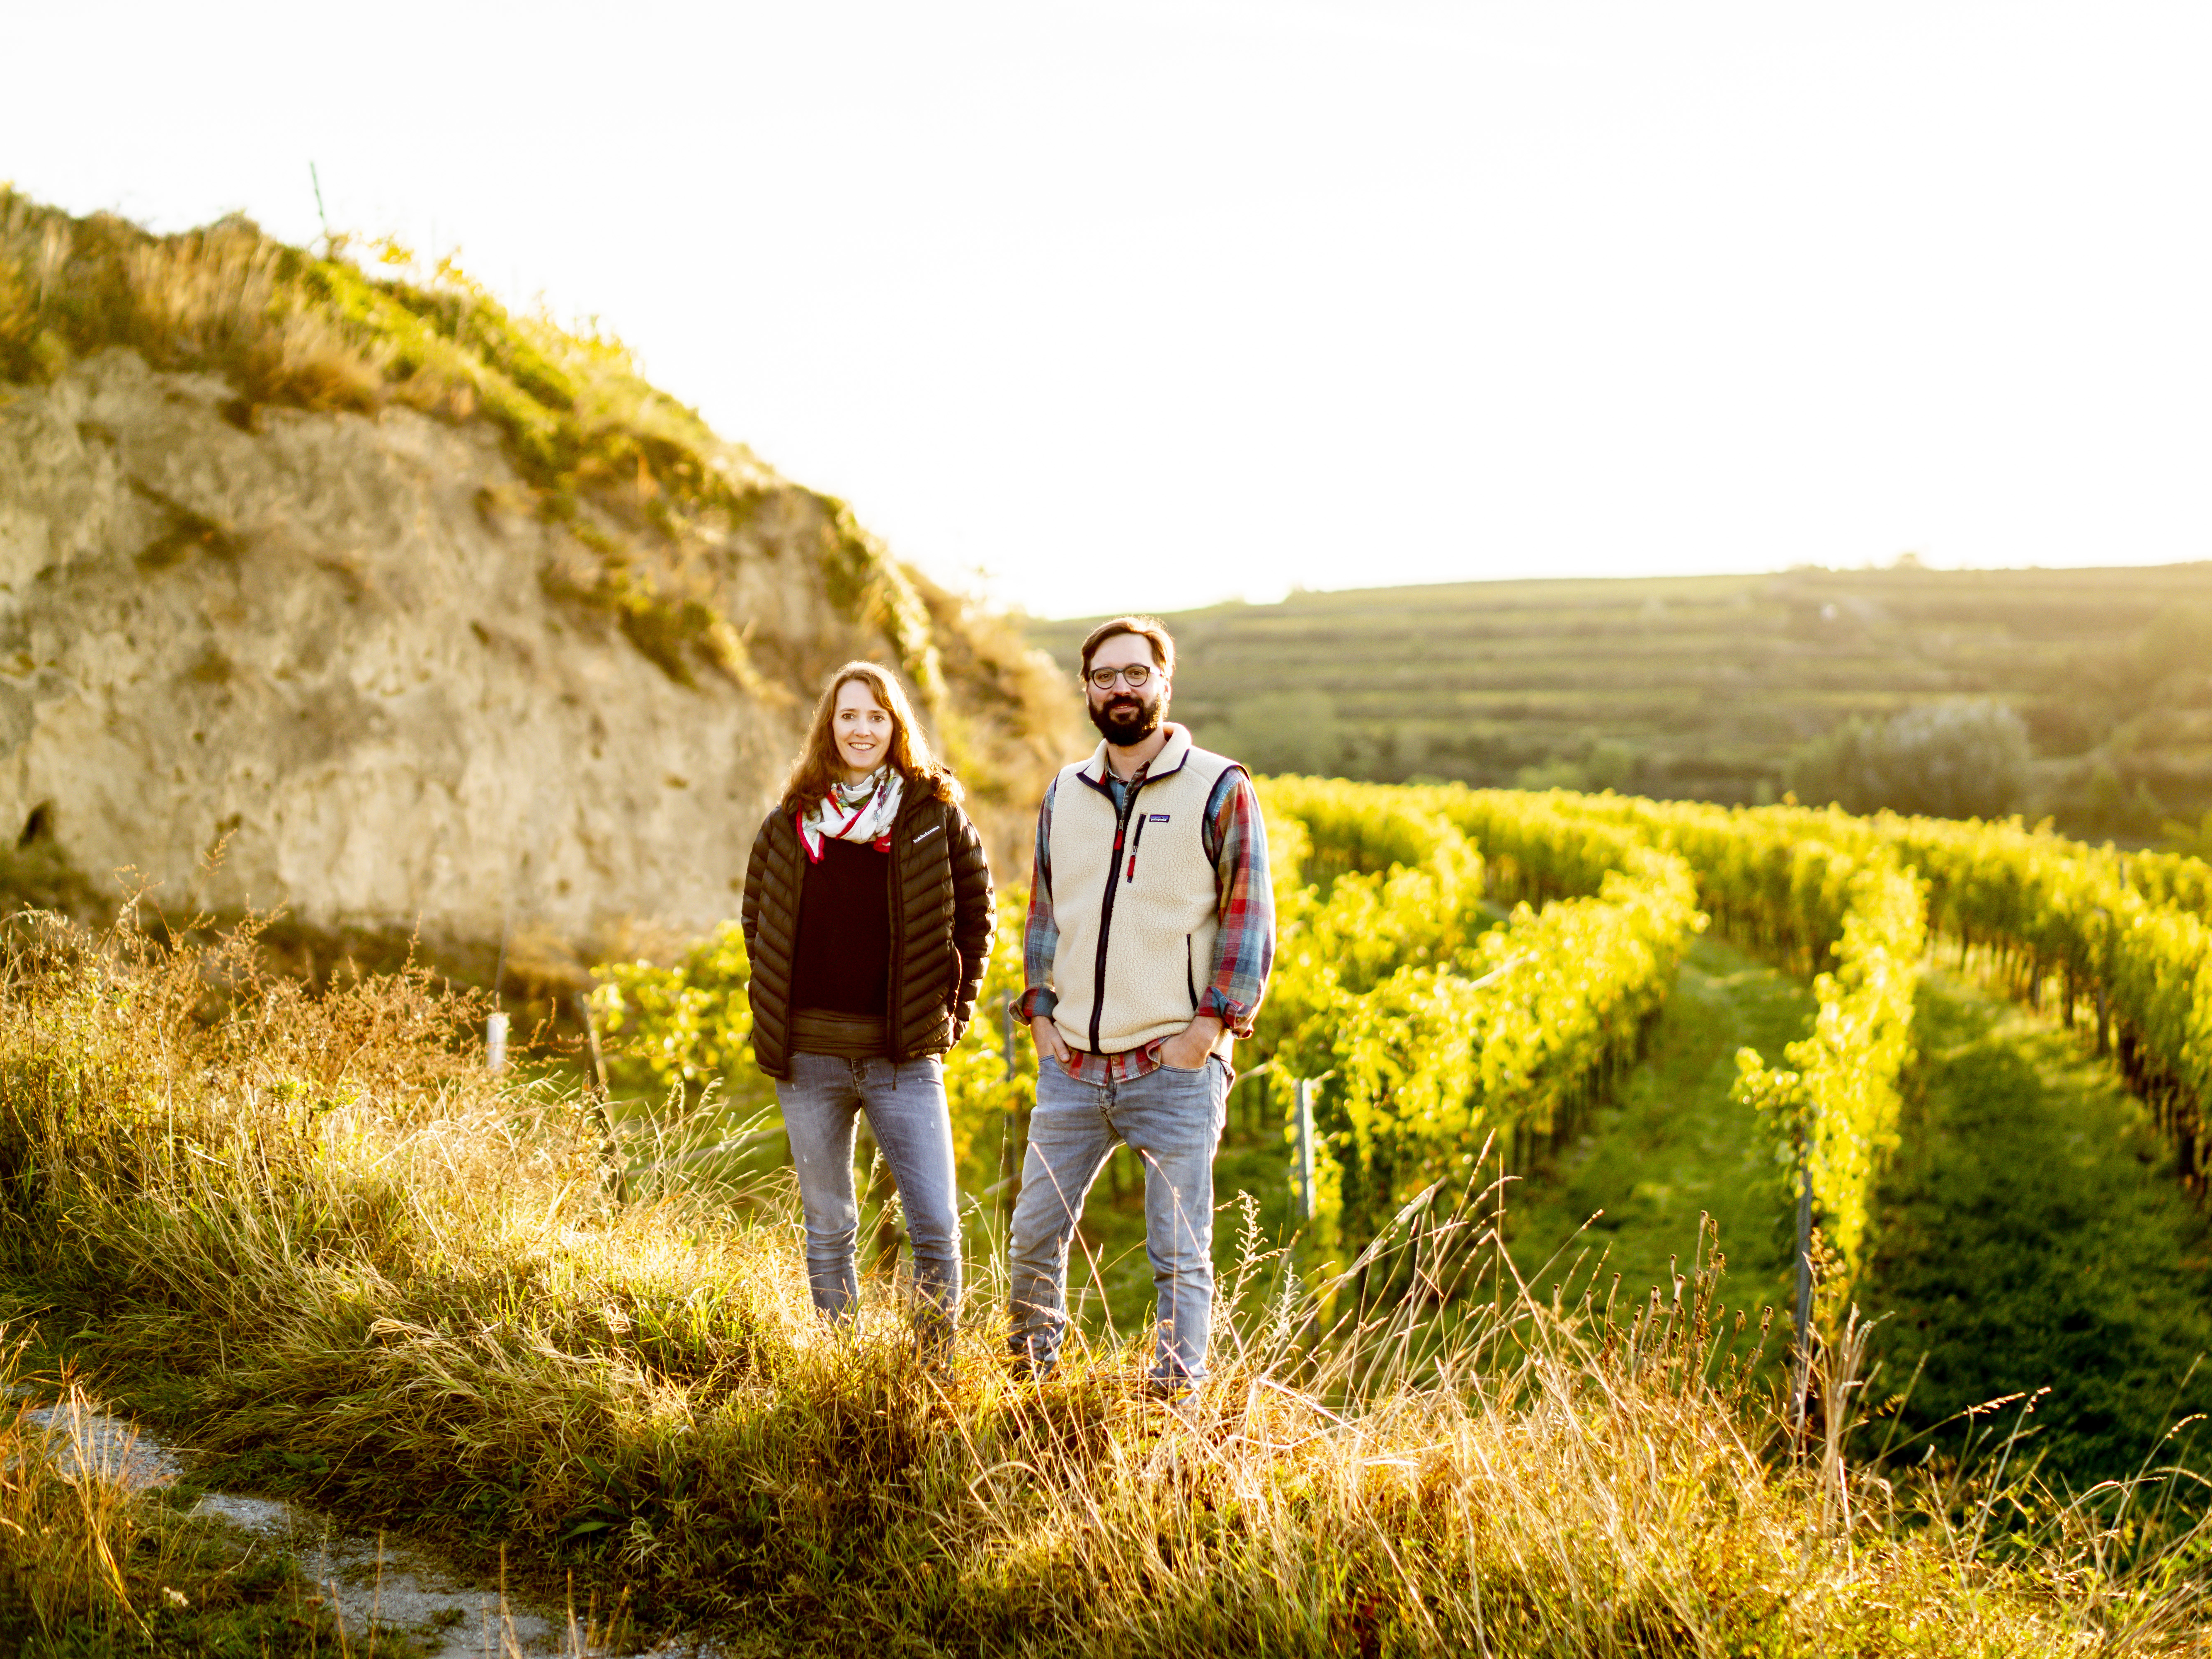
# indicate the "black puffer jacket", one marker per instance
pixel 941 922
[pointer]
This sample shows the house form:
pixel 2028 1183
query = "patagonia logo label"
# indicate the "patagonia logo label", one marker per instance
pixel 1160 817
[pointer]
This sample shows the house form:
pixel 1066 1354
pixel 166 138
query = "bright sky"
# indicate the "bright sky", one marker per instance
pixel 1148 305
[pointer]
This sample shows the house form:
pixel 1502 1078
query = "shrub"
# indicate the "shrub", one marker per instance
pixel 1283 731
pixel 1941 759
pixel 2177 641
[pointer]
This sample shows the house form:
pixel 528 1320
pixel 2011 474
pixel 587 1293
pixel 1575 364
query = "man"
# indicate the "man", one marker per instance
pixel 1152 931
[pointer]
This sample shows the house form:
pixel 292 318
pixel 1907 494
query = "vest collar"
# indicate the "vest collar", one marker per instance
pixel 1166 764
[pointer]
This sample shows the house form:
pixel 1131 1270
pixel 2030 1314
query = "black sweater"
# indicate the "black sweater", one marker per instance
pixel 844 956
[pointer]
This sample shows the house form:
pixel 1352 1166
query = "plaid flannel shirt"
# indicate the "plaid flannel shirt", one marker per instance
pixel 1244 902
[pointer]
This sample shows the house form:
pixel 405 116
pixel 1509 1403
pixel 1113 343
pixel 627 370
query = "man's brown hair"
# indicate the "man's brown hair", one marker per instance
pixel 818 762
pixel 1151 629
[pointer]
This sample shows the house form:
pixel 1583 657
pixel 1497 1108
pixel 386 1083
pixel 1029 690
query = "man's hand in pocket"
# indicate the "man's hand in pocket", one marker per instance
pixel 1186 1051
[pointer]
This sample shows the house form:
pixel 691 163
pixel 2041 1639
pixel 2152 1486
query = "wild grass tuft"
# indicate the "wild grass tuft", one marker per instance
pixel 310 1227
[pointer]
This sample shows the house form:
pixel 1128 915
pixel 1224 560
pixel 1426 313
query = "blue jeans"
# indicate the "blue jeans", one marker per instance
pixel 1174 1120
pixel 908 1116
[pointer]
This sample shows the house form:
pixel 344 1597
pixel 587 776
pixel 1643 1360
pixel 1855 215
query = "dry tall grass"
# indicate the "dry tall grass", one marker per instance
pixel 310 1225
pixel 69 1520
pixel 223 298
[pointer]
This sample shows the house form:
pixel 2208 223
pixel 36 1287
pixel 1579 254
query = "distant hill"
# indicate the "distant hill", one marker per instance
pixel 1704 687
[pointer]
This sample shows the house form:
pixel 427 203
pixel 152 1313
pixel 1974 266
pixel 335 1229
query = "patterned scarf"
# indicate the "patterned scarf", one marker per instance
pixel 854 812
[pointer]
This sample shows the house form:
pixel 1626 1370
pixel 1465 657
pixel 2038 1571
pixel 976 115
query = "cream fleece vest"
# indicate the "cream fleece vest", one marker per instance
pixel 1135 899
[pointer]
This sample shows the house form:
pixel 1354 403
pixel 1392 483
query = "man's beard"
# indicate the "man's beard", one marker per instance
pixel 1134 725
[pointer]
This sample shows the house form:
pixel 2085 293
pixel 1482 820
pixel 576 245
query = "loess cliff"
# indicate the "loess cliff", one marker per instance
pixel 326 591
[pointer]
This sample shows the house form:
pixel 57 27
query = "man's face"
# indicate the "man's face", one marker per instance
pixel 1125 716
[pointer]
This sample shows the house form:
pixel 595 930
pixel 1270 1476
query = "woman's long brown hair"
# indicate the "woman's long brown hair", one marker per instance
pixel 818 763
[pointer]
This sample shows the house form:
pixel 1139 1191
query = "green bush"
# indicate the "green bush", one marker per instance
pixel 1941 759
pixel 1283 731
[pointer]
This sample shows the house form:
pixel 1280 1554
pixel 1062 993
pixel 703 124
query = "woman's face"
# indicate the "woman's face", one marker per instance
pixel 862 727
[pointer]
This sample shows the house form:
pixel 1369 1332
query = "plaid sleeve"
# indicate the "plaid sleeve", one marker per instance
pixel 1041 938
pixel 1244 948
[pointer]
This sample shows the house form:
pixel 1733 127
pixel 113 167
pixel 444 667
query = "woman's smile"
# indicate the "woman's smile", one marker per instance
pixel 862 728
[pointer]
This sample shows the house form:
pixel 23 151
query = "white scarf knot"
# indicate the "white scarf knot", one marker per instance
pixel 862 811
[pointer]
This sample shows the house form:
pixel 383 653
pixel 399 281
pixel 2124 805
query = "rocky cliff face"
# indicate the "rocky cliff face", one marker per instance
pixel 327 662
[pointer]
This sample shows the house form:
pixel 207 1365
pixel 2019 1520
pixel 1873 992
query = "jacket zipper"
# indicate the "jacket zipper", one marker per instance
pixel 1137 842
pixel 898 960
pixel 1190 970
pixel 1106 908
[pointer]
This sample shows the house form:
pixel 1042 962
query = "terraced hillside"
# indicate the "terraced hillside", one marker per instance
pixel 1701 687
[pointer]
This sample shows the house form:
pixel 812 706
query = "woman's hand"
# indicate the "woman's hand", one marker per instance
pixel 1186 1051
pixel 1049 1041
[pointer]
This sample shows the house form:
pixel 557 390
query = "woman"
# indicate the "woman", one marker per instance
pixel 867 916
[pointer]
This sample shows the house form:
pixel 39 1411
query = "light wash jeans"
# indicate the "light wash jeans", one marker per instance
pixel 1174 1120
pixel 908 1116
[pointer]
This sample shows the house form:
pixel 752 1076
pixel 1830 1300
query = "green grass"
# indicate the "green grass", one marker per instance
pixel 1674 1146
pixel 2030 1235
pixel 2033 1236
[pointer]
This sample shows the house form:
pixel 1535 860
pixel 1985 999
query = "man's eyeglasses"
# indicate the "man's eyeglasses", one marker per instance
pixel 1133 677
